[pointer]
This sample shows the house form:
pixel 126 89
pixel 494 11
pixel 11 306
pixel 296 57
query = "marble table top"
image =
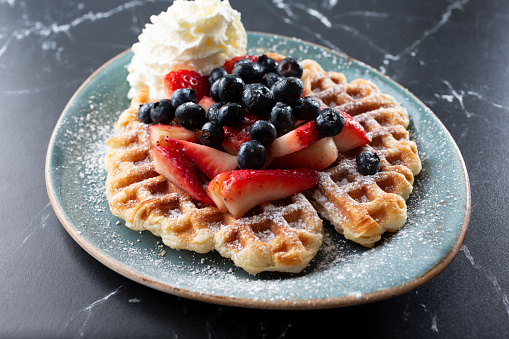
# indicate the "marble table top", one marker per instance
pixel 451 54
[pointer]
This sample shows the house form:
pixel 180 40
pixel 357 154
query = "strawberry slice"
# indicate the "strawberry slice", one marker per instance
pixel 318 156
pixel 239 191
pixel 159 132
pixel 295 140
pixel 185 79
pixel 207 159
pixel 173 164
pixel 205 102
pixel 352 136
pixel 228 65
pixel 236 136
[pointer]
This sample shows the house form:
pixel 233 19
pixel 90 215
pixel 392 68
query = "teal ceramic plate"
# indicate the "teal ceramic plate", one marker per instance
pixel 342 273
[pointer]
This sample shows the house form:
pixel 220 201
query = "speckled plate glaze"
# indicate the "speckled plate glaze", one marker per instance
pixel 342 273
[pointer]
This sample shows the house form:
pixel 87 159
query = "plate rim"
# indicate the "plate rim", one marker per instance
pixel 319 303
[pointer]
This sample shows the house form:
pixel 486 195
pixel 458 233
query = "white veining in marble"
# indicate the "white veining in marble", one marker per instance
pixel 86 313
pixel 295 19
pixel 456 5
pixel 489 275
pixel 54 29
pixel 37 223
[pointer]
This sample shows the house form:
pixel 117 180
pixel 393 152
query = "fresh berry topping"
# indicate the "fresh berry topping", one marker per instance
pixel 206 102
pixel 317 156
pixel 305 108
pixel 208 160
pixel 281 116
pixel 368 163
pixel 239 191
pixel 230 114
pixel 214 110
pixel 263 131
pixel 353 135
pixel 251 155
pixel 211 134
pixel 266 64
pixel 295 140
pixel 144 113
pixel 159 132
pixel 162 112
pixel 236 136
pixel 257 99
pixel 270 79
pixel 185 79
pixel 228 65
pixel 290 67
pixel 182 95
pixel 173 164
pixel 230 88
pixel 216 74
pixel 288 90
pixel 190 115
pixel 329 122
pixel 248 71
pixel 214 91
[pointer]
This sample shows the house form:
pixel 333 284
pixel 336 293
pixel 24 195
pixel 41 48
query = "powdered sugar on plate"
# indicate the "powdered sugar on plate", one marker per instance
pixel 341 270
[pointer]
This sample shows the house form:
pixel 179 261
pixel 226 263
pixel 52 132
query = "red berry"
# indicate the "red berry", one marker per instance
pixel 185 79
pixel 228 65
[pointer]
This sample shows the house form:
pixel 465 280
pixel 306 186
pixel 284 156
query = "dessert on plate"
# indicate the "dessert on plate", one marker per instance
pixel 243 154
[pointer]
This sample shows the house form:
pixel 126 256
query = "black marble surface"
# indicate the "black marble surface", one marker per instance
pixel 453 55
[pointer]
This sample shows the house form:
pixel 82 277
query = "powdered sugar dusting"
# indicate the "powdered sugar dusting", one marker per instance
pixel 341 268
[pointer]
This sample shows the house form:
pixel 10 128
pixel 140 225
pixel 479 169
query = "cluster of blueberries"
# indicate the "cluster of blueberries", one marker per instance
pixel 266 88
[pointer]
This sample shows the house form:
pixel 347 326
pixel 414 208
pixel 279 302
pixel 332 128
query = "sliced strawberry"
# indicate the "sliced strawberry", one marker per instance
pixel 317 156
pixel 205 102
pixel 228 65
pixel 207 159
pixel 352 136
pixel 236 136
pixel 159 132
pixel 295 140
pixel 239 191
pixel 185 79
pixel 173 164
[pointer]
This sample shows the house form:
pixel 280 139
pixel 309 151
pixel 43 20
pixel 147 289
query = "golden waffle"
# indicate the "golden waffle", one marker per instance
pixel 363 207
pixel 282 235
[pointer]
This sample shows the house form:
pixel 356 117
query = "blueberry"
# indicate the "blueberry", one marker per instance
pixel 263 131
pixel 270 79
pixel 282 118
pixel 214 91
pixel 211 134
pixel 251 155
pixel 368 163
pixel 249 72
pixel 231 115
pixel 214 110
pixel 329 122
pixel 216 74
pixel 242 61
pixel 144 113
pixel 305 108
pixel 183 95
pixel 230 88
pixel 190 115
pixel 290 67
pixel 266 64
pixel 288 90
pixel 257 99
pixel 162 112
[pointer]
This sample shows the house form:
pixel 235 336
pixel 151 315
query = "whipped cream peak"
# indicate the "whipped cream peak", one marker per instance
pixel 194 35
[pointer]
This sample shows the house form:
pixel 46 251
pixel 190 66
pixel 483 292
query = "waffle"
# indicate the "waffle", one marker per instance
pixel 281 235
pixel 364 207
